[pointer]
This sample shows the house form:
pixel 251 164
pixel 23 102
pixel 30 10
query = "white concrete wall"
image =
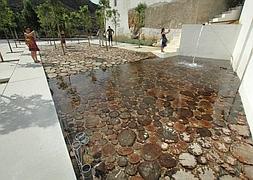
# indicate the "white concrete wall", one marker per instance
pixel 244 42
pixel 123 6
pixel 242 56
pixel 216 41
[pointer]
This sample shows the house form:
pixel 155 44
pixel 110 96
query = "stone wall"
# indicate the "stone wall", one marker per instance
pixel 174 14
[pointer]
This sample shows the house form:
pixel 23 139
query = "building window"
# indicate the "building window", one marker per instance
pixel 115 3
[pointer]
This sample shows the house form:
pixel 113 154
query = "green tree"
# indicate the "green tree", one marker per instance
pixel 100 22
pixel 50 15
pixel 140 11
pixel 29 14
pixel 85 20
pixel 100 18
pixel 57 10
pixel 104 7
pixel 44 14
pixel 20 21
pixel 7 20
pixel 114 16
pixel 75 17
pixel 70 24
pixel 57 18
pixel 46 19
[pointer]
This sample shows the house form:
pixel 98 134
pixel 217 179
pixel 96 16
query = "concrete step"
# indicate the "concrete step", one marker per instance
pixel 4 80
pixel 164 54
pixel 232 14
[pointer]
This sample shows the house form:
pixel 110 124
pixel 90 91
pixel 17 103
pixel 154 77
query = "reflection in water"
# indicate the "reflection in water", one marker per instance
pixel 144 105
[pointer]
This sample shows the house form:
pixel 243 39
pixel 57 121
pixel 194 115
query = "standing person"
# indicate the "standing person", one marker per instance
pixel 100 35
pixel 110 32
pixel 30 39
pixel 164 39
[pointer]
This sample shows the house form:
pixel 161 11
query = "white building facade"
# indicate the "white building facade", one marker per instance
pixel 123 6
pixel 168 13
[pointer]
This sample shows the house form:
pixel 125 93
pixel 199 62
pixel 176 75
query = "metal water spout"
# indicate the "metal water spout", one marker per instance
pixel 82 137
pixel 77 150
pixel 87 172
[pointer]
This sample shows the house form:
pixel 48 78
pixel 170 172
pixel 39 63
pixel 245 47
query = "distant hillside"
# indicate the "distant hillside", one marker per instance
pixel 16 5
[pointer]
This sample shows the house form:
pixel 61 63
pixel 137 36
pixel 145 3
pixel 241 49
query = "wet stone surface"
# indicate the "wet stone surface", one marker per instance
pixel 149 170
pixel 167 161
pixel 81 58
pixel 126 137
pixel 151 152
pixel 154 119
pixel 187 160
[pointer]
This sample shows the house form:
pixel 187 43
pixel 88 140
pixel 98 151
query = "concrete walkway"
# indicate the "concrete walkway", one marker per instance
pixel 32 144
pixel 169 51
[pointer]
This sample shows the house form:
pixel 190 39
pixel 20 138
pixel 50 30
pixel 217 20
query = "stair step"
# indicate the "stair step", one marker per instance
pixel 231 14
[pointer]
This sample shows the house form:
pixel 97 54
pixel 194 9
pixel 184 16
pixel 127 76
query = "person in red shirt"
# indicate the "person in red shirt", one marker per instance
pixel 30 39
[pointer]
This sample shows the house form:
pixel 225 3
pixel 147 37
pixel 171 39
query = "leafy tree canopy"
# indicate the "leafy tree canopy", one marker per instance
pixel 7 19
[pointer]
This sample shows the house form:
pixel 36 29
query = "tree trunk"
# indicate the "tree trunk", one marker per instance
pixel 116 34
pixel 16 36
pixel 102 39
pixel 63 48
pixel 106 43
pixel 54 44
pixel 13 37
pixel 88 37
pixel 1 57
pixel 139 38
pixel 105 32
pixel 48 40
pixel 53 38
pixel 61 39
pixel 16 43
pixel 47 37
pixel 7 38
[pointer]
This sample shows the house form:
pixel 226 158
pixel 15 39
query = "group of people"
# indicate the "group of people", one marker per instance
pixel 30 39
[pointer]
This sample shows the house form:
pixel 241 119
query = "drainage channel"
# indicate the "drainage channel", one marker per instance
pixel 78 146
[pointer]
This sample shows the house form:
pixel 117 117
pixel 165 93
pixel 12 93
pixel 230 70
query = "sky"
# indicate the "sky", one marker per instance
pixel 95 1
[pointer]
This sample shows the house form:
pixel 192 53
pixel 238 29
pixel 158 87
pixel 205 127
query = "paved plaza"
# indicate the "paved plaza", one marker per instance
pixel 143 118
pixel 154 118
